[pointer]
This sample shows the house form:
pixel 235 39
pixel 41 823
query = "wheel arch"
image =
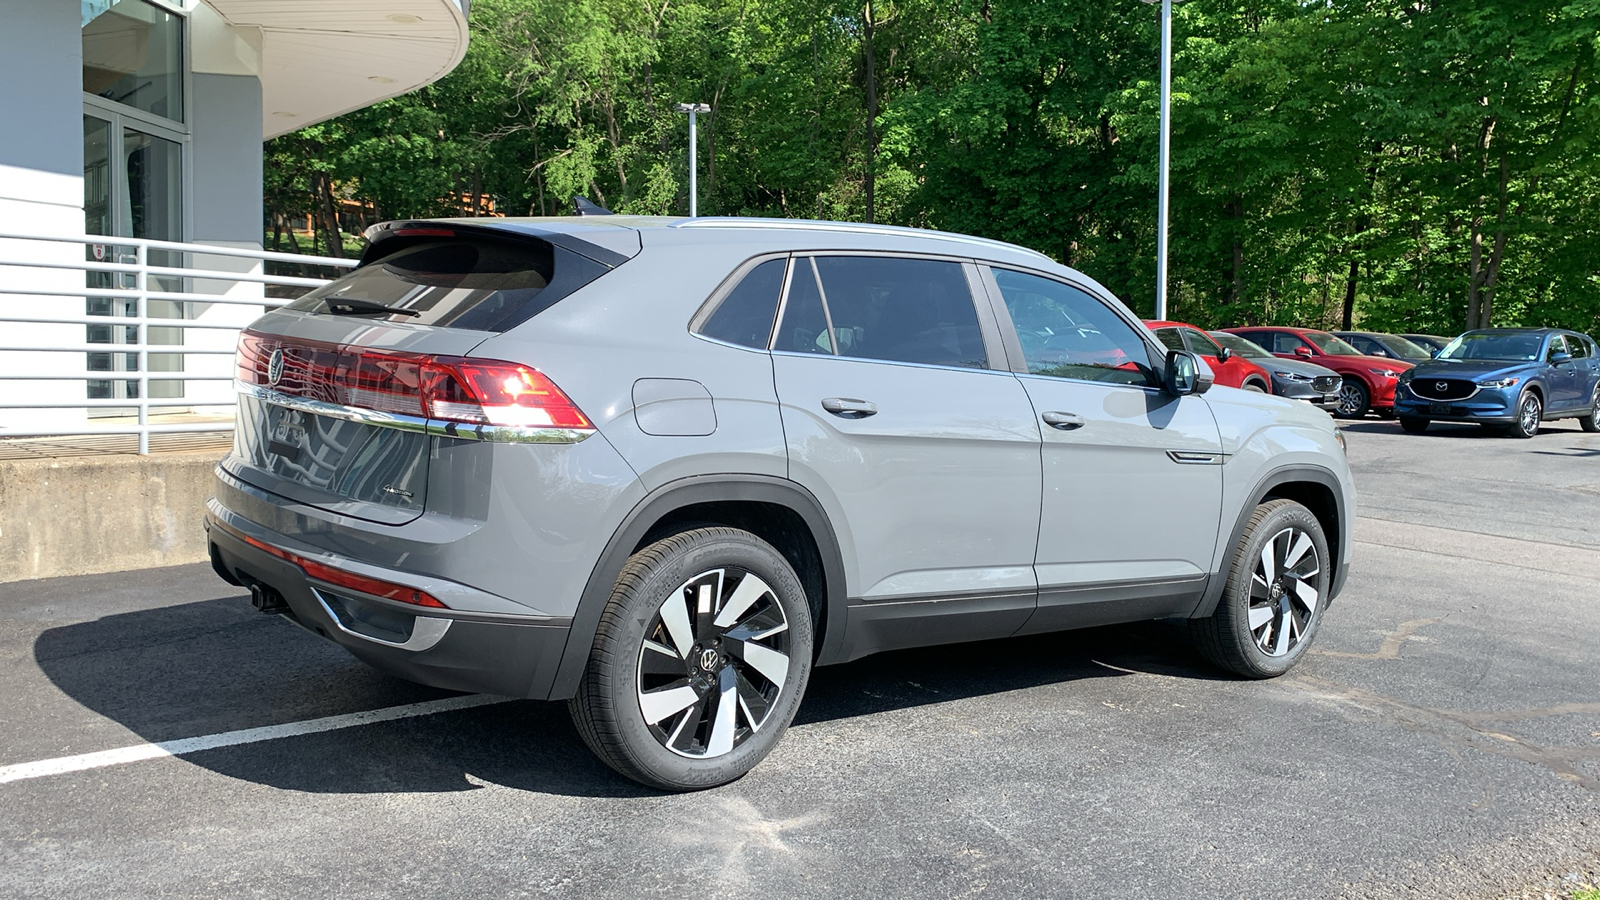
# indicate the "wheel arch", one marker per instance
pixel 1316 489
pixel 779 511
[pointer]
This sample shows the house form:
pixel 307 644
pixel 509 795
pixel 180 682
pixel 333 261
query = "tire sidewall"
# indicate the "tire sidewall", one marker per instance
pixel 1236 594
pixel 1516 427
pixel 707 549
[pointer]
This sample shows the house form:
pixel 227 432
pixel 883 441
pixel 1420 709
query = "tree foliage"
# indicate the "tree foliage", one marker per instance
pixel 1423 165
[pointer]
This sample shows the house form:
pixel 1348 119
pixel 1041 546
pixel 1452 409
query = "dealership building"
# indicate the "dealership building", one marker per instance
pixel 141 121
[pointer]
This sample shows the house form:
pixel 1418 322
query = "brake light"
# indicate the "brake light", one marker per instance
pixel 388 590
pixel 447 389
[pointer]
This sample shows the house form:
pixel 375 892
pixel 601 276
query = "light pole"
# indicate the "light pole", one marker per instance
pixel 694 186
pixel 1166 157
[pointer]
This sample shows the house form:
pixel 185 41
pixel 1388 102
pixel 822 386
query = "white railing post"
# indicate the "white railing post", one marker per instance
pixel 141 309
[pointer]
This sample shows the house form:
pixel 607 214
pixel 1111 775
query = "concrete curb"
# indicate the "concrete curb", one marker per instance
pixel 89 515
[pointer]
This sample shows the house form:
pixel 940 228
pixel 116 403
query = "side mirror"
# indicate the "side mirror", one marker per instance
pixel 1186 374
pixel 1379 351
pixel 1304 353
pixel 1433 352
pixel 1559 357
pixel 1225 355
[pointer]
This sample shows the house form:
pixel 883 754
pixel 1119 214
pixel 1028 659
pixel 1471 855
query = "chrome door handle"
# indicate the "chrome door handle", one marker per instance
pixel 846 408
pixel 1063 421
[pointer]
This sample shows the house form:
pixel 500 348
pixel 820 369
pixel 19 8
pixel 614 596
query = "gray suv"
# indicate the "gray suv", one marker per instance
pixel 660 468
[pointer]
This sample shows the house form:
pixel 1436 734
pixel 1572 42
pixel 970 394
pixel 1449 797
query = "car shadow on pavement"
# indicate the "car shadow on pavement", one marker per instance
pixel 202 668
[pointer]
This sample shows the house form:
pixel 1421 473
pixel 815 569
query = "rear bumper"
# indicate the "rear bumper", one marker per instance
pixel 483 653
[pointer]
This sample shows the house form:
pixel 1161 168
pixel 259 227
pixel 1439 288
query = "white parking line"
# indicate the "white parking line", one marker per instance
pixel 103 758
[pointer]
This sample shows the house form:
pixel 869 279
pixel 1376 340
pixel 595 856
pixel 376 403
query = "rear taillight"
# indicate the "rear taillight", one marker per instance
pixel 512 401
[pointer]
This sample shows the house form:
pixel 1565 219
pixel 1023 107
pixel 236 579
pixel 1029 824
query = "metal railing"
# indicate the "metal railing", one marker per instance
pixel 198 301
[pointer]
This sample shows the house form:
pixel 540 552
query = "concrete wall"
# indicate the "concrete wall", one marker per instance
pixel 86 515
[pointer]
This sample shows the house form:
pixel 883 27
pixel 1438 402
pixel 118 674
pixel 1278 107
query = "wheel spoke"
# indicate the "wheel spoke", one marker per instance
pixel 1306 594
pixel 1259 616
pixel 658 705
pixel 1269 562
pixel 744 596
pixel 724 725
pixel 772 665
pixel 707 594
pixel 675 616
pixel 1298 551
pixel 753 703
pixel 1281 645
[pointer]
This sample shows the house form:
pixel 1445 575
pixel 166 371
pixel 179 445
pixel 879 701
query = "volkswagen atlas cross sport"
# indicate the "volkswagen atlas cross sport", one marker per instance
pixel 1510 379
pixel 661 468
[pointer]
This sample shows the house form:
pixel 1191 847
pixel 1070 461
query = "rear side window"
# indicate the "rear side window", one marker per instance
pixel 885 308
pixel 744 317
pixel 474 283
pixel 1171 338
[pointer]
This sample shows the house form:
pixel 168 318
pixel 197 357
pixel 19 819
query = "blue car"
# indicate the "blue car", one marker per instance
pixel 1506 378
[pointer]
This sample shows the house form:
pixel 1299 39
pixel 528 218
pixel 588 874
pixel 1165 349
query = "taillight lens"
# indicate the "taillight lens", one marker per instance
pixel 445 388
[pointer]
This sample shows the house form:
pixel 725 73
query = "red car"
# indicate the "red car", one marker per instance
pixel 1369 381
pixel 1231 370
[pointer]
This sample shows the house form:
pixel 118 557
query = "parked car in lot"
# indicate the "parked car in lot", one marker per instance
pixel 1432 343
pixel 1369 381
pixel 1292 378
pixel 660 468
pixel 1231 370
pixel 1507 378
pixel 1391 346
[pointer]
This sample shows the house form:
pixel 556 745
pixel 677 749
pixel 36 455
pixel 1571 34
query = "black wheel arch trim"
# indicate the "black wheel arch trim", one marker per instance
pixel 691 491
pixel 1268 483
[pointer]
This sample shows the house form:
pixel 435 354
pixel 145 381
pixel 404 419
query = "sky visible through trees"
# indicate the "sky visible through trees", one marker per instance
pixel 1425 166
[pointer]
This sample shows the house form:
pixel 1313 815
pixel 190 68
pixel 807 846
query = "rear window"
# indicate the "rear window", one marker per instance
pixel 474 283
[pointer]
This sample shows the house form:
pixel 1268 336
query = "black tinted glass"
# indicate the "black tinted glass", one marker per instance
pixel 477 284
pixel 745 316
pixel 903 310
pixel 1171 338
pixel 1066 333
pixel 805 326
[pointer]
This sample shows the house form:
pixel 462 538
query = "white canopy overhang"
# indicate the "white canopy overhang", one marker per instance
pixel 320 58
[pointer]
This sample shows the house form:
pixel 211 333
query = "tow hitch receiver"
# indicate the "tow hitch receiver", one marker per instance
pixel 266 599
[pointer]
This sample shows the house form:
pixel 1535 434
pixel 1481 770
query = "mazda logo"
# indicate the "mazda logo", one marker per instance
pixel 1440 386
pixel 275 367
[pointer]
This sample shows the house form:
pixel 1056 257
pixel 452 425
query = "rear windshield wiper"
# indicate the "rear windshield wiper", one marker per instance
pixel 353 306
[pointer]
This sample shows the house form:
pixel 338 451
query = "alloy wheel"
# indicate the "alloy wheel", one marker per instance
pixel 1351 399
pixel 713 662
pixel 1528 414
pixel 1283 591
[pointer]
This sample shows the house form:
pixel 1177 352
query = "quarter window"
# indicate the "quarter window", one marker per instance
pixel 745 315
pixel 1066 333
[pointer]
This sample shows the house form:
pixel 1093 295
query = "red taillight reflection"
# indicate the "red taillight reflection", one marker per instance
pixel 374 586
pixel 447 388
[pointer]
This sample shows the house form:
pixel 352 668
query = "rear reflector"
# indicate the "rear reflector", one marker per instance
pixel 448 389
pixel 376 587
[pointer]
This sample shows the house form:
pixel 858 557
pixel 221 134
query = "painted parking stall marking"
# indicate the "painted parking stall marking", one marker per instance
pixel 101 759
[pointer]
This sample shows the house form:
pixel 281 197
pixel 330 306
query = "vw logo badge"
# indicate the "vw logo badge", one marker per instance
pixel 275 367
pixel 1440 386
pixel 708 659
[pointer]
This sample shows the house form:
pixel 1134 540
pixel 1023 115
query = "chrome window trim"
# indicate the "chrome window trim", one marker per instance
pixel 892 362
pixel 512 434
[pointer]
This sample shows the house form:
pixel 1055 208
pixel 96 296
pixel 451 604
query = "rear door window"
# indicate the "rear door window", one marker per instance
pixel 475 283
pixel 884 308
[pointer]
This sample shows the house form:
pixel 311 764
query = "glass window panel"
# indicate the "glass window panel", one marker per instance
pixel 1171 338
pixel 805 325
pixel 902 310
pixel 1066 333
pixel 133 54
pixel 745 316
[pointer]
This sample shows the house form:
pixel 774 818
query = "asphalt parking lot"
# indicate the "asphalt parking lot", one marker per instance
pixel 1442 741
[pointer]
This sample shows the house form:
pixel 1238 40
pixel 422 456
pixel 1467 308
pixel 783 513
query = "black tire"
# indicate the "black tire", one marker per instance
pixel 609 708
pixel 1354 400
pixel 1591 422
pixel 1413 424
pixel 1235 636
pixel 1530 412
